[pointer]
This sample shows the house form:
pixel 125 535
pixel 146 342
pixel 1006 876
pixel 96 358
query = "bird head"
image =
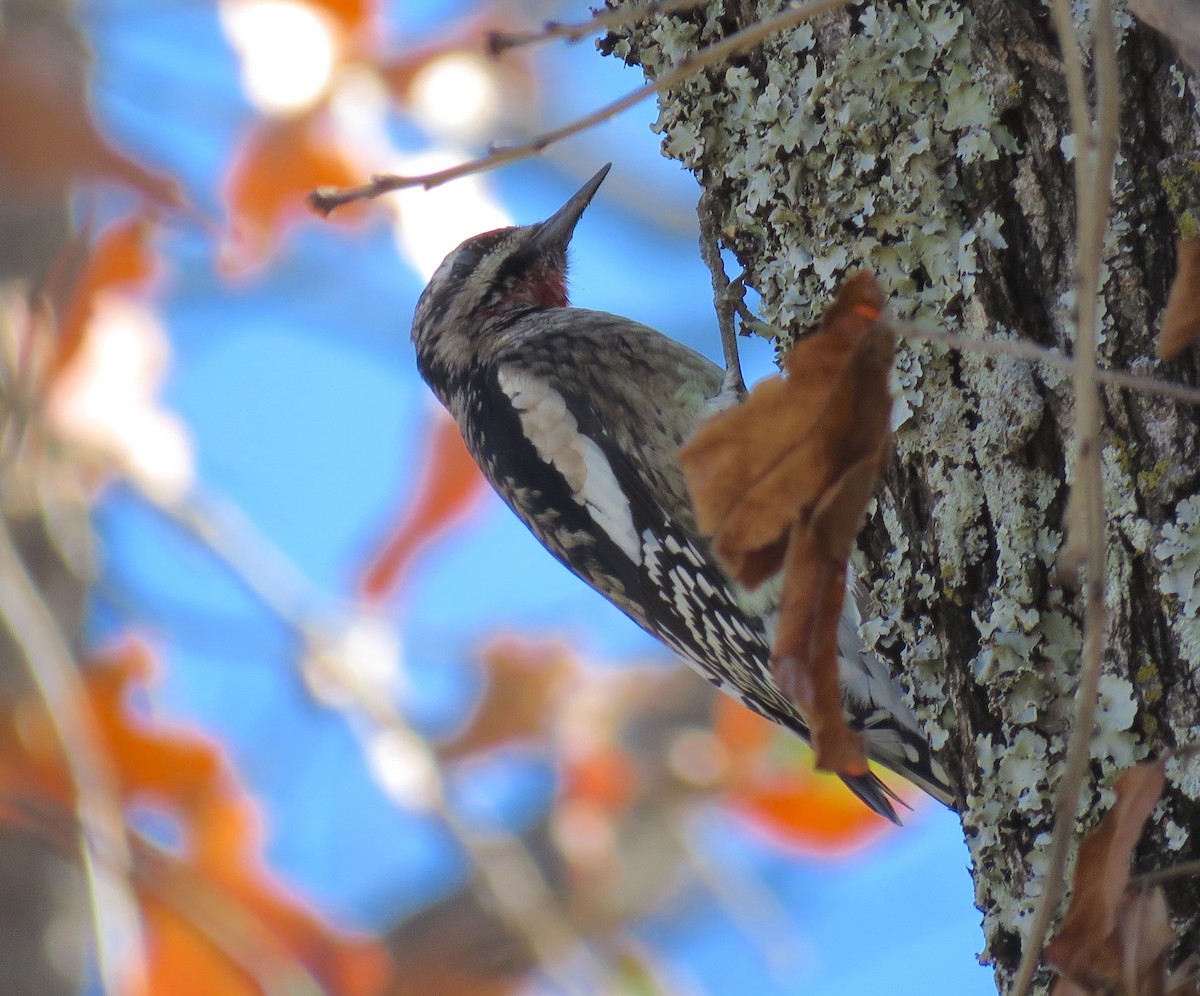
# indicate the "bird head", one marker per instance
pixel 488 279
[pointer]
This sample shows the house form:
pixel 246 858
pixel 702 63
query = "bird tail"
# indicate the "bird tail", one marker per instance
pixel 875 795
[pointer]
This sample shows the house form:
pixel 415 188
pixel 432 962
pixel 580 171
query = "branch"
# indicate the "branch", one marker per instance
pixel 507 870
pixel 1185 869
pixel 324 200
pixel 724 300
pixel 104 848
pixel 756 910
pixel 499 42
pixel 1093 184
pixel 1024 350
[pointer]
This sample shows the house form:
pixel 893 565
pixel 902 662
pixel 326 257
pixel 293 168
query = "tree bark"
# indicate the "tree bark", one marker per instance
pixel 930 142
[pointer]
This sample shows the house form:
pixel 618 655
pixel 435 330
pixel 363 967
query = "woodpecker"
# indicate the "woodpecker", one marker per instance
pixel 576 418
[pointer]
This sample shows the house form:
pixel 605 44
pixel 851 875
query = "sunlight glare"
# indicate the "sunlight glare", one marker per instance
pixel 430 223
pixel 455 95
pixel 288 51
pixel 108 397
pixel 404 767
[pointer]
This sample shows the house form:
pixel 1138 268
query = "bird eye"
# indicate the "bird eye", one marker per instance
pixel 471 252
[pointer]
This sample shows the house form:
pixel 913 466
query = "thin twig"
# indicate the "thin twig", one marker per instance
pixel 1185 977
pixel 507 870
pixel 222 528
pixel 104 848
pixel 1025 350
pixel 326 199
pixel 752 906
pixel 723 300
pixel 1094 162
pixel 1185 869
pixel 500 41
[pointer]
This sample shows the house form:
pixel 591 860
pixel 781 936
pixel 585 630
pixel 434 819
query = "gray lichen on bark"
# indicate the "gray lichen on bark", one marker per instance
pixel 931 142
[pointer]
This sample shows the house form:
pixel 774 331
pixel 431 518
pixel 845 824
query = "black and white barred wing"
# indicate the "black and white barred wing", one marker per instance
pixel 610 511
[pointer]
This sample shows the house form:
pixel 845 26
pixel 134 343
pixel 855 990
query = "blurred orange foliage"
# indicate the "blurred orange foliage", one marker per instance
pixel 280 162
pixel 448 488
pixel 524 683
pixel 780 793
pixel 50 137
pixel 354 17
pixel 216 920
pixel 120 257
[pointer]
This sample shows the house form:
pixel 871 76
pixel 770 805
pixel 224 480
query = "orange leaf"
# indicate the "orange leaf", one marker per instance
pixel 605 777
pixel 282 160
pixel 1091 946
pixel 449 486
pixel 121 257
pixel 777 791
pixel 1181 319
pixel 354 17
pixel 784 480
pixel 524 682
pixel 49 135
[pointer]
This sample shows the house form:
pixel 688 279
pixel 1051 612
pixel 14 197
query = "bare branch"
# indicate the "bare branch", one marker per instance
pixel 1094 162
pixel 1185 869
pixel 499 42
pixel 325 199
pixel 104 849
pixel 1023 349
pixel 724 300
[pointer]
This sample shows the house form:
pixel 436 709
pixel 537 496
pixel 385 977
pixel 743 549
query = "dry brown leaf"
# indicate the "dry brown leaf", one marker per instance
pixel 783 480
pixel 1144 926
pixel 1108 933
pixel 1179 20
pixel 524 682
pixel 50 137
pixel 1181 319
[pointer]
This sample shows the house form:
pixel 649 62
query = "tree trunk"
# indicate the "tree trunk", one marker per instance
pixel 930 143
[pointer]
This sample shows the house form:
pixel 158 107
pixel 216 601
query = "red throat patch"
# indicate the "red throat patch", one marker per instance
pixel 549 289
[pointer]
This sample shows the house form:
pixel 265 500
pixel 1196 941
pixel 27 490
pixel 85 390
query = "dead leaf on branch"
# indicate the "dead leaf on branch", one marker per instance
pixel 783 481
pixel 1114 939
pixel 1178 20
pixel 1181 320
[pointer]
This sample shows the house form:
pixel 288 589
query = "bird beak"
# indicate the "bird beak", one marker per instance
pixel 557 229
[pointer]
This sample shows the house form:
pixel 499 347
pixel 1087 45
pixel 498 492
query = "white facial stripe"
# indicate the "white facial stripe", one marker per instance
pixel 555 435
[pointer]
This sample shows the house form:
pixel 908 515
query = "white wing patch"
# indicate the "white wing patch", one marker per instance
pixel 555 435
